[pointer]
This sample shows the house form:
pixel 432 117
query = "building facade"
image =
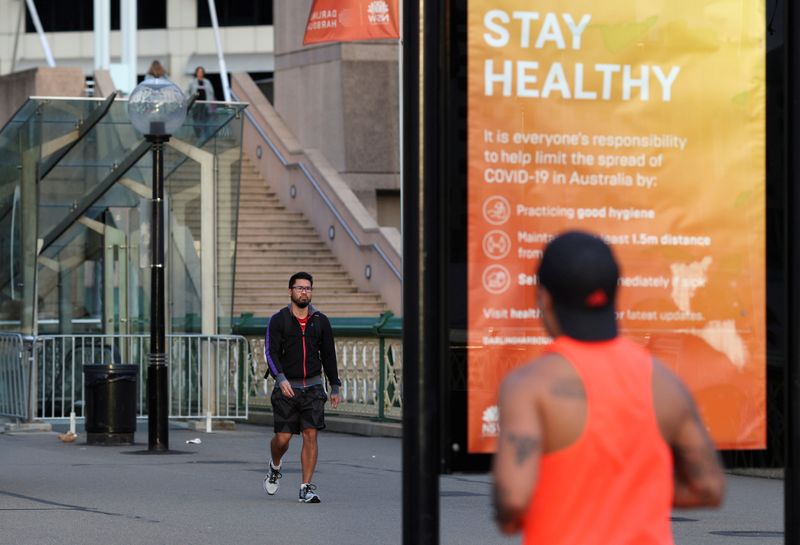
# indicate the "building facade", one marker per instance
pixel 176 32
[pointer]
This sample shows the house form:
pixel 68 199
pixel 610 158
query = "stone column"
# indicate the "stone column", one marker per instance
pixel 341 99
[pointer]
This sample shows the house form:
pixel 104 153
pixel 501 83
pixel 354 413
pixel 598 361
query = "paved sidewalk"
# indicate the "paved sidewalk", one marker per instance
pixel 211 493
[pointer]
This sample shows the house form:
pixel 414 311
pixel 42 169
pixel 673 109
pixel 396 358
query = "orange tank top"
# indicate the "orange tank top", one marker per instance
pixel 614 485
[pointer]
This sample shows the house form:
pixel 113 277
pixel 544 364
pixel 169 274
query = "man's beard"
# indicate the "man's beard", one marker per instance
pixel 301 303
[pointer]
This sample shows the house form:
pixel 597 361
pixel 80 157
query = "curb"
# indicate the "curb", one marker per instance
pixel 341 424
pixel 200 425
pixel 762 473
pixel 25 427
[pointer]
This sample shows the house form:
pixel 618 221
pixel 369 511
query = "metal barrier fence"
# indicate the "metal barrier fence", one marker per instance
pixel 42 377
pixel 14 376
pixel 370 369
pixel 208 373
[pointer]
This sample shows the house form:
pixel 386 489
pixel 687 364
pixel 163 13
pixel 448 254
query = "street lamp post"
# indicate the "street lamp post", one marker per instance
pixel 157 108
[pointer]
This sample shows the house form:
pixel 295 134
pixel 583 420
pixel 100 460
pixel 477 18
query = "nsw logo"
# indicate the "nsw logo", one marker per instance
pixel 491 422
pixel 378 13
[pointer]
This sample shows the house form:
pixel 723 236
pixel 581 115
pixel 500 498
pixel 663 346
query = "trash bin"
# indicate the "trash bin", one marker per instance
pixel 110 403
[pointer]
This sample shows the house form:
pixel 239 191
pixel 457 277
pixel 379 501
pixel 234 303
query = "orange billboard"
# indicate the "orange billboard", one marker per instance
pixel 352 20
pixel 643 122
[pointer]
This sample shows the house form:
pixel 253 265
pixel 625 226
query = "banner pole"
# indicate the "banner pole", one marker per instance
pixel 421 441
pixel 792 374
pixel 223 70
pixel 37 23
pixel 401 104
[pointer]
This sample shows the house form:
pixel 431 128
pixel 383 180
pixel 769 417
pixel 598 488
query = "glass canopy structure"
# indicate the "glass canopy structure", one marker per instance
pixel 75 199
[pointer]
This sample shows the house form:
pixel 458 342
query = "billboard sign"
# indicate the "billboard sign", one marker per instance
pixel 643 122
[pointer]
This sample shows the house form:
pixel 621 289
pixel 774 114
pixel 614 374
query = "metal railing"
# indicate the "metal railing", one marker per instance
pixel 14 376
pixel 208 373
pixel 224 375
pixel 370 365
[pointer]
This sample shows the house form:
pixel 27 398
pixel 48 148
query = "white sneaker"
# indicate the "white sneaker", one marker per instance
pixel 307 494
pixel 272 481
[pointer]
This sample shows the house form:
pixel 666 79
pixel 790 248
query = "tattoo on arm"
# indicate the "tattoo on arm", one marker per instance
pixel 524 446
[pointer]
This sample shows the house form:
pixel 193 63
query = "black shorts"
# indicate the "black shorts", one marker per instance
pixel 305 410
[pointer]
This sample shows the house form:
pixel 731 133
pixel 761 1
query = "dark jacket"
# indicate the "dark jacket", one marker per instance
pixel 283 349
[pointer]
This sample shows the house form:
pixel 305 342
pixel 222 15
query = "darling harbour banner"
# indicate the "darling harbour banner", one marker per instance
pixel 643 122
pixel 352 20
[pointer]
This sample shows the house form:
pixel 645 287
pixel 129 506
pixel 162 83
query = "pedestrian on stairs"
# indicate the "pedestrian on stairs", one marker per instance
pixel 202 88
pixel 298 347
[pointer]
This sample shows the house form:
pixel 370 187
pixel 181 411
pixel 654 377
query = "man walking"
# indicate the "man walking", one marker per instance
pixel 598 440
pixel 299 346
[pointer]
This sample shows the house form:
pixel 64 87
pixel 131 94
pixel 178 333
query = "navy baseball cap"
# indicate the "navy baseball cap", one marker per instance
pixel 580 273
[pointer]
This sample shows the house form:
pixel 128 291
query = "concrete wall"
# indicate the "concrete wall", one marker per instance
pixel 341 99
pixel 53 82
pixel 103 84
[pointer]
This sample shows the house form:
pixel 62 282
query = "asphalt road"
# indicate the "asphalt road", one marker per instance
pixel 211 493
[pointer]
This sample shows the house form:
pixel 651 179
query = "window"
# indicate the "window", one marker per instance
pixel 78 15
pixel 149 14
pixel 60 16
pixel 236 13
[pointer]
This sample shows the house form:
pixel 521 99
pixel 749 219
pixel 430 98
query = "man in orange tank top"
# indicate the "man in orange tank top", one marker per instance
pixel 598 440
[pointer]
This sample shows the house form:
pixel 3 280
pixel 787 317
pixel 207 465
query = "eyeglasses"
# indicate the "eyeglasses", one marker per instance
pixel 302 288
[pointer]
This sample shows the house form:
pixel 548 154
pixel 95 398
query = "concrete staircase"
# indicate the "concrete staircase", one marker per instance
pixel 274 243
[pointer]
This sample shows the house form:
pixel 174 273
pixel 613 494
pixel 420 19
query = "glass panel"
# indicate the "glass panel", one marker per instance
pixel 184 218
pixel 88 164
pixel 215 128
pixel 229 171
pixel 102 179
pixel 70 283
pixel 19 154
pixel 10 229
